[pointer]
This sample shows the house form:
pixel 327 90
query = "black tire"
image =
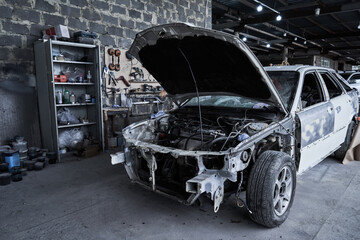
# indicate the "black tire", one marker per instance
pixel 38 166
pixel 16 177
pixel 263 185
pixel 340 153
pixel 5 178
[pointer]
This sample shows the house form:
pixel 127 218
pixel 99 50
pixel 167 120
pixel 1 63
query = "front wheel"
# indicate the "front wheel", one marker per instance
pixel 271 188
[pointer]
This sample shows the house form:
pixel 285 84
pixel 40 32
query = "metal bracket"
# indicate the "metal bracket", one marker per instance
pixel 151 163
pixel 207 182
pixel 218 197
pixel 117 158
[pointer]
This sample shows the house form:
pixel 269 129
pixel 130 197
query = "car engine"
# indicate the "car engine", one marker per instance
pixel 182 130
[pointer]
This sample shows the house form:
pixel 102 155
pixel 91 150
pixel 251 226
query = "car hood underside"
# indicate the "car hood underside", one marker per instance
pixel 177 55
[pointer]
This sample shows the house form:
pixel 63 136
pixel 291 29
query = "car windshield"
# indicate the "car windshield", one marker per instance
pixel 225 101
pixel 286 83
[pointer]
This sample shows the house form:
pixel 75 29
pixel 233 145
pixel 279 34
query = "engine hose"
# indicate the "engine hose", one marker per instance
pixel 187 140
pixel 220 139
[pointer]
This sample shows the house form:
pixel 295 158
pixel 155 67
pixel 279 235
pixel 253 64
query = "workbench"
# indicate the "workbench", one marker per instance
pixel 111 113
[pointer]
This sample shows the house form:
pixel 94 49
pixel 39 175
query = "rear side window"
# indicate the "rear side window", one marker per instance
pixel 333 88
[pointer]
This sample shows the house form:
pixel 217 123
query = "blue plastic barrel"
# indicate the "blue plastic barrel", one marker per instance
pixel 12 157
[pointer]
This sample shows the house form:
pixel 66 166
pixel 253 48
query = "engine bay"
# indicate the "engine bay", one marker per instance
pixel 182 130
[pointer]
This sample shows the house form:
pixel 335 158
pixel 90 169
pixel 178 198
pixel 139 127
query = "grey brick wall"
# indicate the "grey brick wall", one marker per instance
pixel 116 21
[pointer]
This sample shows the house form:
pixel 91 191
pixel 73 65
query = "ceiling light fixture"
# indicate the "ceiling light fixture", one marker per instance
pixel 268 45
pixel 244 39
pixel 305 42
pixel 317 11
pixel 261 5
pixel 285 34
pixel 295 38
pixel 359 26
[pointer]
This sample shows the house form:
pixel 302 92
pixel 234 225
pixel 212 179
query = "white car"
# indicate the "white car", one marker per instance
pixel 237 126
pixel 353 79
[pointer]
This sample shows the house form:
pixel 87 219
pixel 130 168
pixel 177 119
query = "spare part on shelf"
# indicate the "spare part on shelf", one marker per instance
pixel 60 78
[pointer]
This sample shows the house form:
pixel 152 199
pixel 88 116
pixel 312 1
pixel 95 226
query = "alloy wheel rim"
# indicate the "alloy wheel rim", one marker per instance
pixel 282 191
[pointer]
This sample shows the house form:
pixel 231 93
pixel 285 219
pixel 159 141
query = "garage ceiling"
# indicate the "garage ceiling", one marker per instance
pixel 335 31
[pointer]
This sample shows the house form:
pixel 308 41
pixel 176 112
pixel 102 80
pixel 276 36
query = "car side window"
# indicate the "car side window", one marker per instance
pixel 311 92
pixel 333 88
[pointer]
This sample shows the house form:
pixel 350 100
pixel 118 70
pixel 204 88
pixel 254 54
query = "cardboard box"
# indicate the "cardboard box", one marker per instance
pixel 60 31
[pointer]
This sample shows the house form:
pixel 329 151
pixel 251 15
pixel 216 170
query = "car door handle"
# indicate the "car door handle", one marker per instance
pixel 330 109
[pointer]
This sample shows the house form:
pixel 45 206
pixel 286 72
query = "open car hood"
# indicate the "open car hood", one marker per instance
pixel 221 63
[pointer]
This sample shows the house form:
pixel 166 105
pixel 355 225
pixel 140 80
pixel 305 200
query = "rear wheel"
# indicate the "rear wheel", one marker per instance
pixel 271 188
pixel 340 153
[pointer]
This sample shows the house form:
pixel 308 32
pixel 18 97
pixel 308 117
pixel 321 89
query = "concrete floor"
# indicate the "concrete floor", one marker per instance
pixel 90 199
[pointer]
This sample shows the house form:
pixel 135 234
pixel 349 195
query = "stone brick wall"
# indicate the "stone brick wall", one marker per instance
pixel 116 22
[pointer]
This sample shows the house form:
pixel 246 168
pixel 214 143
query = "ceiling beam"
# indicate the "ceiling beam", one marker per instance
pixel 247 3
pixel 336 35
pixel 342 22
pixel 231 24
pixel 225 8
pixel 326 28
pixel 262 32
pixel 289 33
pixel 258 49
pixel 319 25
pixel 344 48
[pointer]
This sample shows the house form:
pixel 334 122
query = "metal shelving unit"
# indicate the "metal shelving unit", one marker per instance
pixel 76 125
pixel 72 62
pixel 75 104
pixel 46 68
pixel 73 84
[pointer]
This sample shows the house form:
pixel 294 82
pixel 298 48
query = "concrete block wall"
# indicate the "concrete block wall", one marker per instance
pixel 116 22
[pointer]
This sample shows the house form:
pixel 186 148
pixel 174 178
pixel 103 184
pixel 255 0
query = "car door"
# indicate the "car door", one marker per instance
pixel 342 104
pixel 315 123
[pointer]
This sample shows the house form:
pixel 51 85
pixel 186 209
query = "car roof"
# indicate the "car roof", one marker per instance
pixel 348 75
pixel 355 73
pixel 296 68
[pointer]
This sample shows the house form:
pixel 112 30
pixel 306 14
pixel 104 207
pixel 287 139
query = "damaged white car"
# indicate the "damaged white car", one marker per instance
pixel 235 128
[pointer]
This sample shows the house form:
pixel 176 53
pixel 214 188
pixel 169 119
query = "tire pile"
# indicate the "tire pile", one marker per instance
pixel 35 159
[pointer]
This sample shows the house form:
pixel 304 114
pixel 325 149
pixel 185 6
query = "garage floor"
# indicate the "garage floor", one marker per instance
pixel 90 199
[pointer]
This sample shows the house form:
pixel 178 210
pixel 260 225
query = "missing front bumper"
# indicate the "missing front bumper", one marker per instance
pixel 209 181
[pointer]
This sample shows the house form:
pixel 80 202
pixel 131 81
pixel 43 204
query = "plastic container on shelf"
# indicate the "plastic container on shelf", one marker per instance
pixel 72 98
pixel 88 76
pixel 66 96
pixel 59 97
